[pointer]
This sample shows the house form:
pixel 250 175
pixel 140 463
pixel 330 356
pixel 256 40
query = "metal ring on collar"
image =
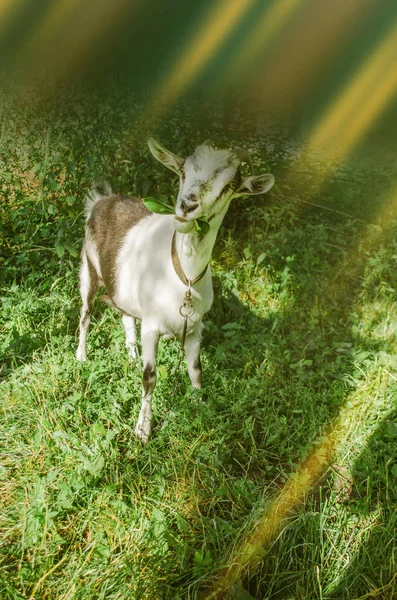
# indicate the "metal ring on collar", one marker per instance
pixel 186 310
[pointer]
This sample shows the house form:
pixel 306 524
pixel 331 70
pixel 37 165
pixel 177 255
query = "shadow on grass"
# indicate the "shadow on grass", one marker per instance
pixel 302 361
pixel 19 351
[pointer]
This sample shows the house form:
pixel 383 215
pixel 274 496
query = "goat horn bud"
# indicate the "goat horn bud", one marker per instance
pixel 244 156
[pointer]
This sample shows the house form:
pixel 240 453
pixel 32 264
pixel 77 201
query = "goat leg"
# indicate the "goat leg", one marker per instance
pixel 130 336
pixel 192 350
pixel 88 285
pixel 149 340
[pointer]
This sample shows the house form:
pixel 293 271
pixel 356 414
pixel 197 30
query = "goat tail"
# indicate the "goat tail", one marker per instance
pixel 101 189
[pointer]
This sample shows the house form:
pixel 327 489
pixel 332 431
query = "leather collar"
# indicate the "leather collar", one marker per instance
pixel 178 267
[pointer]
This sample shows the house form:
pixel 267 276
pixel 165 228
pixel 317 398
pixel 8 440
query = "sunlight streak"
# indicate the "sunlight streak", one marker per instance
pixel 89 28
pixel 359 105
pixel 355 109
pixel 7 7
pixel 51 24
pixel 70 34
pixel 356 422
pixel 295 67
pixel 273 20
pixel 219 24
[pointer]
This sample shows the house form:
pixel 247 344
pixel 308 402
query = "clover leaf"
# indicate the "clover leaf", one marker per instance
pixel 161 208
pixel 201 226
pixel 158 207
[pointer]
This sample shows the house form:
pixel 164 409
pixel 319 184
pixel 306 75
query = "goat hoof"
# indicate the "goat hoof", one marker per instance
pixel 200 396
pixel 142 434
pixel 144 424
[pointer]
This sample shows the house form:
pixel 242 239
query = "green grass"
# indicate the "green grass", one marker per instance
pixel 299 345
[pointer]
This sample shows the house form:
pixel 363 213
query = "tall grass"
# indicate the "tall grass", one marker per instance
pixel 300 345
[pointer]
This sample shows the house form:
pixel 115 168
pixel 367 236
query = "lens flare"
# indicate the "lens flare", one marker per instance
pixel 52 23
pixel 219 24
pixel 354 111
pixel 313 34
pixel 7 7
pixel 268 28
pixel 69 35
pixel 360 103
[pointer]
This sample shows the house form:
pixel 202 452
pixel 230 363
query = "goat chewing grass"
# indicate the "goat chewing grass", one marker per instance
pixel 147 261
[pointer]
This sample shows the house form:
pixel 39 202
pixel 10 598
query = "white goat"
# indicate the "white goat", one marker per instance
pixel 148 262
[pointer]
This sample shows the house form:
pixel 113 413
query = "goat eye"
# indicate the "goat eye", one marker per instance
pixel 182 173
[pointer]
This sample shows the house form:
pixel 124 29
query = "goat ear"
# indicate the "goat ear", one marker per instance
pixel 167 158
pixel 255 184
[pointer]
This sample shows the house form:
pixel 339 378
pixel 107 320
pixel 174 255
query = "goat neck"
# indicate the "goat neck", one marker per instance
pixel 195 249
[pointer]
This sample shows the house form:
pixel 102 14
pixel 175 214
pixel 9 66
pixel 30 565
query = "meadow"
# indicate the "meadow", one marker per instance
pixel 299 361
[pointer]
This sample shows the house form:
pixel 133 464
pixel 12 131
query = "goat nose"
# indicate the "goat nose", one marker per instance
pixel 188 205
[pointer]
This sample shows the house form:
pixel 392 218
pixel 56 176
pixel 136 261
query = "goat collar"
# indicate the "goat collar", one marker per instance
pixel 178 267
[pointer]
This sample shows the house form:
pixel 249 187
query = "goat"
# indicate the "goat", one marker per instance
pixel 155 267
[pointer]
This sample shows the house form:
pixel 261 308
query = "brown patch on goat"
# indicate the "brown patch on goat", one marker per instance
pixel 111 218
pixel 94 281
pixel 93 284
pixel 149 379
pixel 105 298
pixel 197 365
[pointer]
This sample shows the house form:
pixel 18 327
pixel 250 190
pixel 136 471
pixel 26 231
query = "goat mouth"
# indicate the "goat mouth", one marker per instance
pixel 183 225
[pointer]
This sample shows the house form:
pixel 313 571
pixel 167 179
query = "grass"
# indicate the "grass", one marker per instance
pixel 298 356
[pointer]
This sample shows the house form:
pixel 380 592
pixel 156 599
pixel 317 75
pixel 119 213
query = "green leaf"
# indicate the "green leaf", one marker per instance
pixel 65 497
pixel 161 208
pixel 72 251
pixel 59 249
pixel 201 226
pixel 158 207
pixel 95 466
pixel 261 258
